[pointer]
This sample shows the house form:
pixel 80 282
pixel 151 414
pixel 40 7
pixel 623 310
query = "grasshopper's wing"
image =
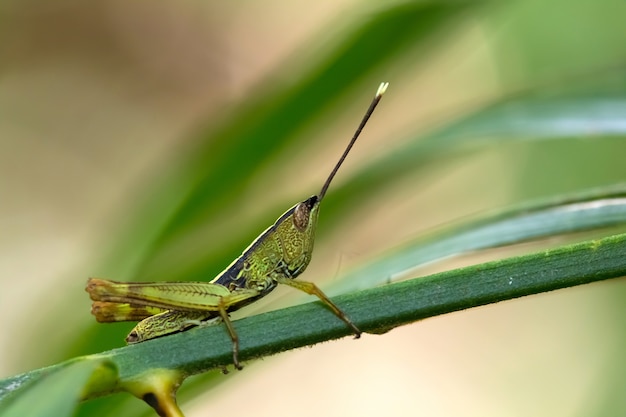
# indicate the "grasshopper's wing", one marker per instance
pixel 179 296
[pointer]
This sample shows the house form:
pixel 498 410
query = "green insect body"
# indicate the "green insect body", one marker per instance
pixel 282 251
pixel 277 256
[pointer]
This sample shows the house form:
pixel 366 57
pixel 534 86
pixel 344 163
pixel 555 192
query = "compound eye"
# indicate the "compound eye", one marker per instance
pixel 133 337
pixel 301 216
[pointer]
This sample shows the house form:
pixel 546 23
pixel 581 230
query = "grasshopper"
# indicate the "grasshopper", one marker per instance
pixel 277 256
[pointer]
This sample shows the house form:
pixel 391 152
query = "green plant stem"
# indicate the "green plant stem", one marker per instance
pixel 375 310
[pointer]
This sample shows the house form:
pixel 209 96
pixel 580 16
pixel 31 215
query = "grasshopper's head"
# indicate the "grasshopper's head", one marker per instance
pixel 304 219
pixel 294 235
pixel 136 335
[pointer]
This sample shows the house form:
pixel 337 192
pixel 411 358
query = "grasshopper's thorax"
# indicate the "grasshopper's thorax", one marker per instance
pixel 284 249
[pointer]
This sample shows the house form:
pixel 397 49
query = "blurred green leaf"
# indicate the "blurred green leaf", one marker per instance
pixel 587 211
pixel 54 391
pixel 536 118
pixel 519 121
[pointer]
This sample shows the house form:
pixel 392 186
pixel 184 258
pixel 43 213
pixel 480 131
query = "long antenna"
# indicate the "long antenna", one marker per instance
pixel 368 113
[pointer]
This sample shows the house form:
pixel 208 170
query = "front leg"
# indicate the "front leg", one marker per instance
pixel 312 289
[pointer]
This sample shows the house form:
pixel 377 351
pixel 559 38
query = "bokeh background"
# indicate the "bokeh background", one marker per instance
pixel 112 112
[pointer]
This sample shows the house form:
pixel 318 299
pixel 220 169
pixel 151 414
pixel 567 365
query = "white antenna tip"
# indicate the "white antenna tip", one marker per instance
pixel 382 89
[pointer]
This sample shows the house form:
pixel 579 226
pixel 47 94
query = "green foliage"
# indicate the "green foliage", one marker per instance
pixel 557 120
pixel 56 391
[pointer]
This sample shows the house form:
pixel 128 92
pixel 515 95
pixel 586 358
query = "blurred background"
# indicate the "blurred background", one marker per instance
pixel 153 141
